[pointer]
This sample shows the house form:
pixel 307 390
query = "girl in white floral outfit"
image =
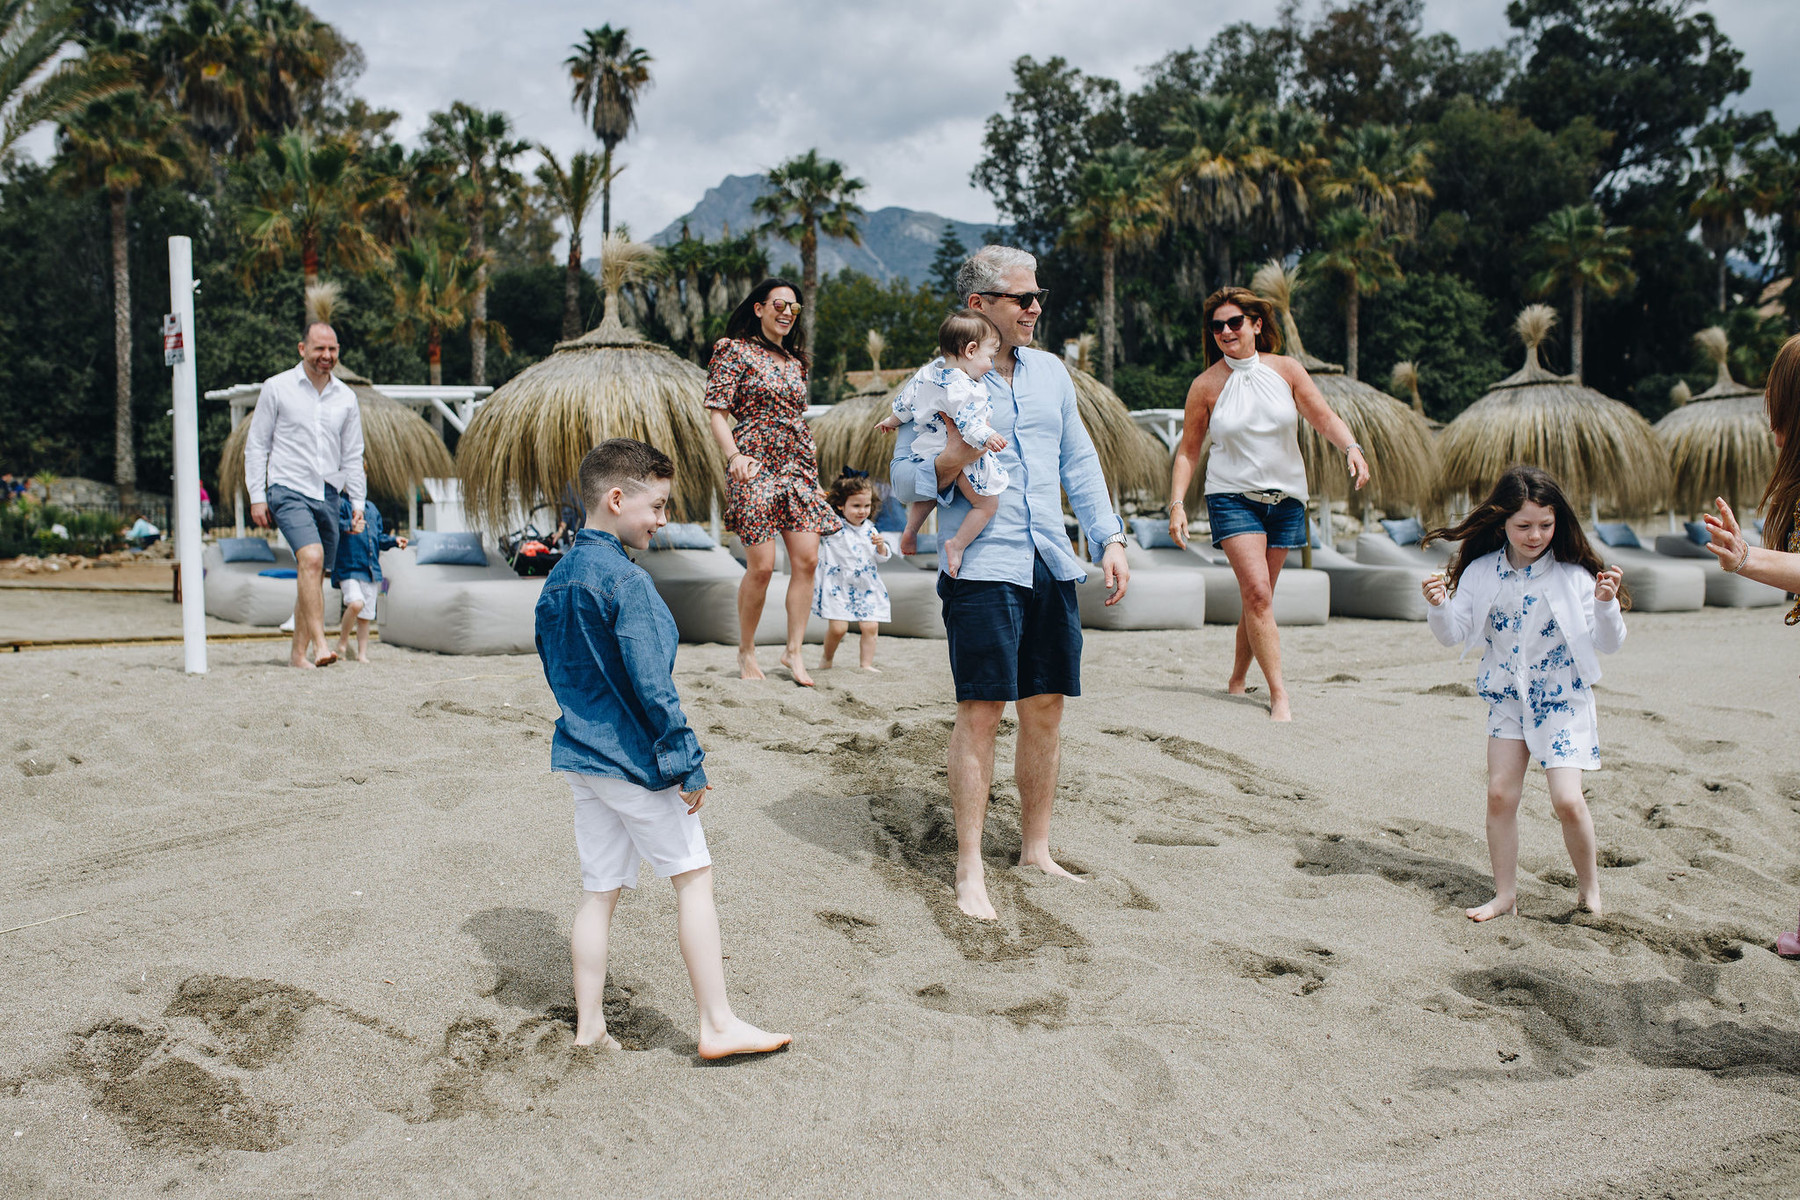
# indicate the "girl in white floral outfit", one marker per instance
pixel 1526 582
pixel 847 586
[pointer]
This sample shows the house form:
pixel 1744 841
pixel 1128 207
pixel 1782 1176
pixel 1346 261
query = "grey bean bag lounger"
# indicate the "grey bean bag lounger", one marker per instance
pixel 1723 589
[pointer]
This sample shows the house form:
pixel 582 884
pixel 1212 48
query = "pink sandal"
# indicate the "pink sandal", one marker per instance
pixel 1788 945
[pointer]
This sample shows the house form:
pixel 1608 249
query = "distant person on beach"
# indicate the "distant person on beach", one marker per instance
pixel 849 586
pixel 304 450
pixel 1014 628
pixel 1251 401
pixel 758 376
pixel 356 572
pixel 945 395
pixel 608 645
pixel 1526 584
pixel 1777 561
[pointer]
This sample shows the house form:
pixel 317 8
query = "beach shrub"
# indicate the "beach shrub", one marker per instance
pixel 26 529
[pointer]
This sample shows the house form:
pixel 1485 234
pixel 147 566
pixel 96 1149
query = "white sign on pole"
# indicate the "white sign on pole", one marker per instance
pixel 173 349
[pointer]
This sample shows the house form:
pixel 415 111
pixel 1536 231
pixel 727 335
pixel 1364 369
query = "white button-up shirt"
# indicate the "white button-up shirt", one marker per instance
pixel 303 439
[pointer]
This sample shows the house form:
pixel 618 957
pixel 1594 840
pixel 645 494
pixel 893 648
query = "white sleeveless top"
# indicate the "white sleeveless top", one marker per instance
pixel 1255 433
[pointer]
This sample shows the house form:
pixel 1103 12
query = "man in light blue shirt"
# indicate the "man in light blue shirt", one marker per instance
pixel 1013 623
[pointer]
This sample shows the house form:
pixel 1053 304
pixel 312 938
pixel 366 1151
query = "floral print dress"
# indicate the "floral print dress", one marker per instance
pixel 766 392
pixel 1534 692
pixel 937 390
pixel 847 586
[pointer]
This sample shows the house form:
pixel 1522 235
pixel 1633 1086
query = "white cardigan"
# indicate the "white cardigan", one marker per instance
pixel 1570 591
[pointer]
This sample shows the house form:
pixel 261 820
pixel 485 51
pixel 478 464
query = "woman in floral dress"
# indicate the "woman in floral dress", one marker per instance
pixel 758 376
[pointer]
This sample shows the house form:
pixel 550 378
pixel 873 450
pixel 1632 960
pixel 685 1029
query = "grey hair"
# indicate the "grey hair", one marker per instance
pixel 987 267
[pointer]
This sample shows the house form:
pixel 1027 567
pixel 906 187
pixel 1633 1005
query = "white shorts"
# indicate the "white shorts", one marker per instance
pixel 617 823
pixel 361 589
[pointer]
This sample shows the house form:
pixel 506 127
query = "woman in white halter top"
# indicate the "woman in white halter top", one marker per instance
pixel 1251 400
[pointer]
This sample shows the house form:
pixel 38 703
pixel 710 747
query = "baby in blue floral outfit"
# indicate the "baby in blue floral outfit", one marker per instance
pixel 948 392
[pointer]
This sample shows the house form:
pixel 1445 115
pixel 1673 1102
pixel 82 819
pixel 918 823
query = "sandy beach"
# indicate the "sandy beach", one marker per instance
pixel 319 942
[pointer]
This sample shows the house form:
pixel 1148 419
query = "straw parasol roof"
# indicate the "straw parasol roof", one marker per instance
pixel 1719 444
pixel 1133 459
pixel 525 445
pixel 400 449
pixel 1396 440
pixel 1599 449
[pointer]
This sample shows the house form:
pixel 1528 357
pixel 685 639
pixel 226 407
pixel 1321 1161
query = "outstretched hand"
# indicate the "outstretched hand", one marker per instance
pixel 890 424
pixel 995 443
pixel 1606 585
pixel 1727 539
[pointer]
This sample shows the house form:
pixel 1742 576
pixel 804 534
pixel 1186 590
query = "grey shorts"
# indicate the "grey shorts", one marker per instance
pixel 306 522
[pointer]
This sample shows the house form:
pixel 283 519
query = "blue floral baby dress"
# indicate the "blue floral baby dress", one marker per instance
pixel 846 586
pixel 936 390
pixel 1528 677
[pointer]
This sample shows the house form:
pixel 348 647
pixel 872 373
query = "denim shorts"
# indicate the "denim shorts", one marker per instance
pixel 1008 641
pixel 304 521
pixel 1232 513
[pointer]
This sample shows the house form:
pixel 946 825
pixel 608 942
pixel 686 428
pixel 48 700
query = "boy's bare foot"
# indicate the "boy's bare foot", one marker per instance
pixel 343 648
pixel 909 543
pixel 825 664
pixel 739 1037
pixel 971 894
pixel 791 661
pixel 1278 708
pixel 953 554
pixel 871 667
pixel 747 668
pixel 1507 906
pixel 1236 687
pixel 360 657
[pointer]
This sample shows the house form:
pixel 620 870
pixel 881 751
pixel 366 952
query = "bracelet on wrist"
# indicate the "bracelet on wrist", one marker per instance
pixel 1742 558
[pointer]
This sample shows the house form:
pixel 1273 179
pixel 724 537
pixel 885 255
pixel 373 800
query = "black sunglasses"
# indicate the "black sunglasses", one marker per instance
pixel 1040 297
pixel 1232 323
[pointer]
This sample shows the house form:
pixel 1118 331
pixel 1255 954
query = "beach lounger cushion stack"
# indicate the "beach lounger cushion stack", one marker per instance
pixel 1368 590
pixel 1723 589
pixel 238 589
pixel 1301 597
pixel 1657 583
pixel 700 587
pixel 461 607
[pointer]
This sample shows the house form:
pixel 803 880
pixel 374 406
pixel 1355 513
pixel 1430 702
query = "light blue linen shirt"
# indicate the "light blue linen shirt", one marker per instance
pixel 1048 453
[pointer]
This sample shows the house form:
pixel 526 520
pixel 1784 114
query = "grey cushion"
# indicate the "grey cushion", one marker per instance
pixel 1371 592
pixel 679 535
pixel 1697 533
pixel 1618 534
pixel 450 549
pixel 1152 534
pixel 1406 532
pixel 246 549
pixel 238 591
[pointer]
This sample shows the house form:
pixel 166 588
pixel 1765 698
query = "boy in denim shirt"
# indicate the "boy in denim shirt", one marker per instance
pixel 608 644
pixel 356 572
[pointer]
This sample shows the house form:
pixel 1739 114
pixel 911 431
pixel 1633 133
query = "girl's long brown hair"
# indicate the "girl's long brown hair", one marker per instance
pixel 1254 307
pixel 1782 396
pixel 1483 531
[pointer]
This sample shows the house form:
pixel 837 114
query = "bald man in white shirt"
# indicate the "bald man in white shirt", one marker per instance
pixel 305 449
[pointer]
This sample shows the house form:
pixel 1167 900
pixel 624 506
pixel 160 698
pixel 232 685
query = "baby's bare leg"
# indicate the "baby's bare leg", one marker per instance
pixel 870 631
pixel 916 512
pixel 981 511
pixel 722 1034
pixel 834 634
pixel 587 946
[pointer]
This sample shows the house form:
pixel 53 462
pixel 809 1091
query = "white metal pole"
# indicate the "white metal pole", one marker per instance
pixel 187 458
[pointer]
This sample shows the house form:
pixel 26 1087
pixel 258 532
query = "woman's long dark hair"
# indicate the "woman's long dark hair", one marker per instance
pixel 1782 396
pixel 745 326
pixel 1484 531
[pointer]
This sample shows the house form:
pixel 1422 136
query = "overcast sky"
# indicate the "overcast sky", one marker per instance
pixel 896 91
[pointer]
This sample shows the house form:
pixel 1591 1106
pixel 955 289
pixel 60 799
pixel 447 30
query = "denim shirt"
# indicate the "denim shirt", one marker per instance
pixel 1048 452
pixel 359 554
pixel 608 643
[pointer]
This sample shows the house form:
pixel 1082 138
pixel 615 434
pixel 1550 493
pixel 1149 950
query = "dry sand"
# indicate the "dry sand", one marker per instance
pixel 322 944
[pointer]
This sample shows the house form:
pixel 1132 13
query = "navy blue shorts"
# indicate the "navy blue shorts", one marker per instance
pixel 1232 513
pixel 1008 641
pixel 304 521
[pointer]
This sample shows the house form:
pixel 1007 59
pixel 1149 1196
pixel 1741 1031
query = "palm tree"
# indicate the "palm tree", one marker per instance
pixel 119 145
pixel 808 196
pixel 480 148
pixel 432 295
pixel 310 203
pixel 1576 250
pixel 608 73
pixel 32 91
pixel 1214 173
pixel 573 192
pixel 1353 248
pixel 1121 205
pixel 1726 192
pixel 1382 170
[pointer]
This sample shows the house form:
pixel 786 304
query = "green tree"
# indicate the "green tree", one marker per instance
pixel 1726 189
pixel 1384 171
pixel 608 74
pixel 810 196
pixel 433 294
pixel 1577 251
pixel 1354 251
pixel 1122 207
pixel 947 261
pixel 1058 118
pixel 573 192
pixel 34 87
pixel 905 315
pixel 1213 174
pixel 480 150
pixel 309 202
pixel 119 145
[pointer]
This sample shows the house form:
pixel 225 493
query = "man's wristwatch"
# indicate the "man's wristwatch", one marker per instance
pixel 1117 539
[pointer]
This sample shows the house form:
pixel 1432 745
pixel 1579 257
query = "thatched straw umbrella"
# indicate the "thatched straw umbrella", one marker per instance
pixel 1395 439
pixel 400 449
pixel 1720 444
pixel 526 443
pixel 1602 451
pixel 1680 394
pixel 1133 459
